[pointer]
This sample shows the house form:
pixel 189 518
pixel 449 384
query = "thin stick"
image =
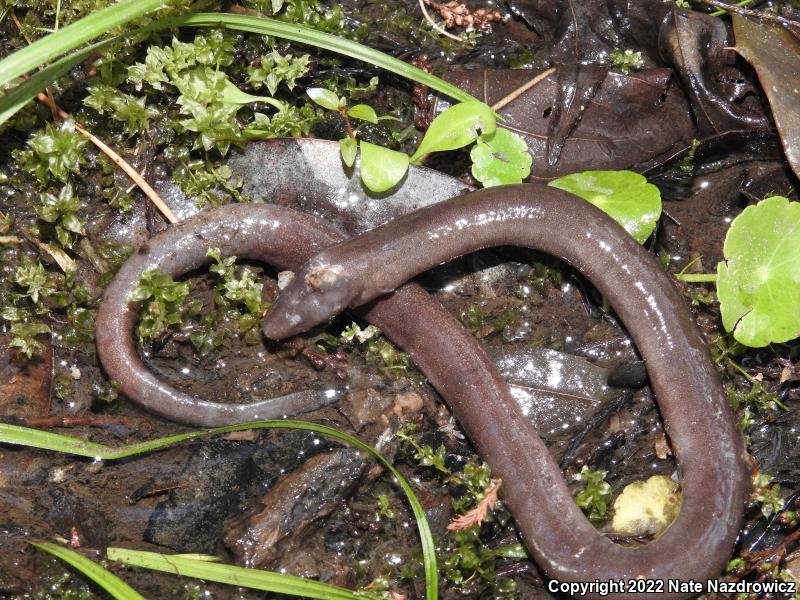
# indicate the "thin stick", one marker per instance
pixel 756 14
pixel 122 164
pixel 509 98
pixel 435 25
pixel 116 158
pixel 51 103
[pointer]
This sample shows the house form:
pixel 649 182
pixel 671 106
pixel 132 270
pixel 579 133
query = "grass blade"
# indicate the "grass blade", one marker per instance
pixel 254 579
pixel 14 434
pixel 25 91
pixel 70 37
pixel 108 581
pixel 318 39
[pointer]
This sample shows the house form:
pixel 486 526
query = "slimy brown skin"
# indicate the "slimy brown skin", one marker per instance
pixel 272 234
pixel 707 445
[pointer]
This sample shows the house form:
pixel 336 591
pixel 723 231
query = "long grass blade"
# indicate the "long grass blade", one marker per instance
pixel 70 37
pixel 27 90
pixel 253 579
pixel 108 581
pixel 318 39
pixel 14 434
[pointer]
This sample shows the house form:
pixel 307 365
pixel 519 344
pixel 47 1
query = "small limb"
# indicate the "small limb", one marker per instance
pixel 697 277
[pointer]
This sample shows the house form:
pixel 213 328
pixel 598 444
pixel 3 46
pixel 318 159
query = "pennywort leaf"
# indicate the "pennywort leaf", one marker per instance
pixel 500 158
pixel 623 195
pixel 381 168
pixel 458 126
pixel 758 283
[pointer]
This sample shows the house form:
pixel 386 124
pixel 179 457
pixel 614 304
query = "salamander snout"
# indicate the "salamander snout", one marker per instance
pixel 318 292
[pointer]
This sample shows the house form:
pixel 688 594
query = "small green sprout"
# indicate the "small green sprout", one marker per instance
pixel 33 278
pixel 242 288
pixel 207 183
pixel 758 398
pixel 60 211
pixel 767 494
pixel 625 60
pixel 354 332
pixel 133 112
pixel 384 511
pixel 384 356
pixel 595 496
pixel 275 69
pixel 423 454
pixel 687 162
pixel 24 337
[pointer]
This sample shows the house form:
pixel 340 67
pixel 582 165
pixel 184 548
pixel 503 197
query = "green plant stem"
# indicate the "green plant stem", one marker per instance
pixel 697 277
pixel 720 12
pixel 70 37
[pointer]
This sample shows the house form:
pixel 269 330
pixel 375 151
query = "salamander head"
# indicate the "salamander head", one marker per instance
pixel 318 292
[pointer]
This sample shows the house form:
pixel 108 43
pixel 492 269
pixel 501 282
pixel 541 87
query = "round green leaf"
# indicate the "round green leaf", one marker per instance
pixel 456 127
pixel 758 284
pixel 348 148
pixel 500 158
pixel 381 168
pixel 325 98
pixel 625 196
pixel 363 112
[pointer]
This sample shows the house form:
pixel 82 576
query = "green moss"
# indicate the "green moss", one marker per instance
pixel 165 306
pixel 57 151
pixel 595 496
pixel 60 212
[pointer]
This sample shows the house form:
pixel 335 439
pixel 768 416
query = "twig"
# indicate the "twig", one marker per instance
pixel 509 98
pixel 435 25
pixel 756 14
pixel 51 103
pixel 57 112
pixel 122 164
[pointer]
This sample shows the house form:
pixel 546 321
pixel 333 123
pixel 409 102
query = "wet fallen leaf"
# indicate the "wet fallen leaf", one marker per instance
pixel 775 55
pixel 631 119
